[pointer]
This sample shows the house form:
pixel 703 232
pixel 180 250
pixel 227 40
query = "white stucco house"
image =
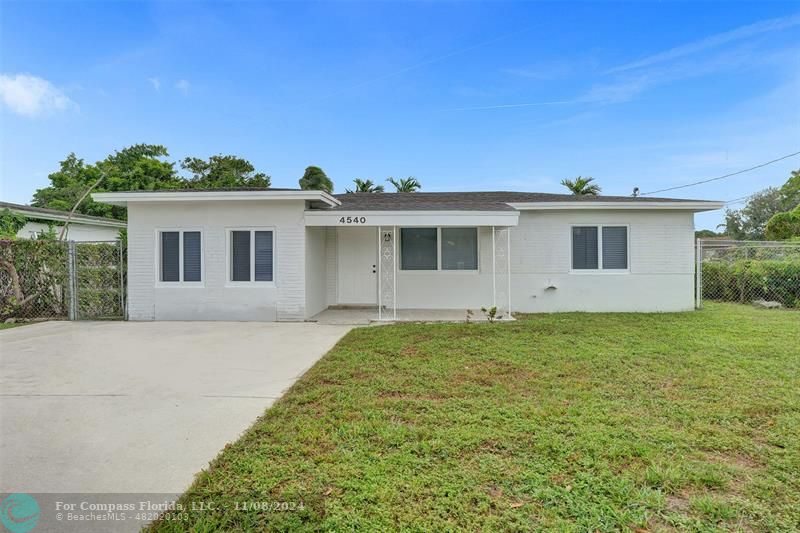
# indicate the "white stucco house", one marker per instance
pixel 82 228
pixel 267 255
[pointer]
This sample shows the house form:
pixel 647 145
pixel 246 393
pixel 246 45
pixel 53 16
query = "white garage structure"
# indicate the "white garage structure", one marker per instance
pixel 287 255
pixel 82 228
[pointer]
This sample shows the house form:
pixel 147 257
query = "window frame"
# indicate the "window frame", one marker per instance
pixel 180 283
pixel 600 269
pixel 229 257
pixel 417 272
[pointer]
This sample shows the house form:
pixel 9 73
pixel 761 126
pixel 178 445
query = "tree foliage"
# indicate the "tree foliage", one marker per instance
pixel 364 186
pixel 135 168
pixel 10 224
pixel 582 186
pixel 409 184
pixel 223 171
pixel 750 222
pixel 784 226
pixel 315 179
pixel 141 167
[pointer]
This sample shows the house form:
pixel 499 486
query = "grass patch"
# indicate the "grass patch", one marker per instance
pixel 572 422
pixel 4 325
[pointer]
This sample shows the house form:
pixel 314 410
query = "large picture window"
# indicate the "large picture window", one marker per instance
pixel 252 255
pixel 180 256
pixel 599 247
pixel 439 248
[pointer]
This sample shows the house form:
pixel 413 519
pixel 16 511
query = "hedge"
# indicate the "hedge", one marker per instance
pixel 747 280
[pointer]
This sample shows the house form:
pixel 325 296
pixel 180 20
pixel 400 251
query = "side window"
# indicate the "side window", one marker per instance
pixel 599 248
pixel 584 248
pixel 252 256
pixel 180 256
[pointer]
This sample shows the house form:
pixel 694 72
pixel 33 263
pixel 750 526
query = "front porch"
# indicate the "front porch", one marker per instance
pixel 428 269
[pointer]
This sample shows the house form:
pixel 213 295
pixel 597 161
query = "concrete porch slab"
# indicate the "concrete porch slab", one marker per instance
pixel 365 316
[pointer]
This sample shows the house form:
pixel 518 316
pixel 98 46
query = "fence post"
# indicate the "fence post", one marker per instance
pixel 699 276
pixel 72 281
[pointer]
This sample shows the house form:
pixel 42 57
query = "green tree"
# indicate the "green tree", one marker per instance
pixel 10 224
pixel 790 191
pixel 364 186
pixel 749 223
pixel 581 186
pixel 223 171
pixel 315 179
pixel 136 168
pixel 706 234
pixel 784 226
pixel 409 184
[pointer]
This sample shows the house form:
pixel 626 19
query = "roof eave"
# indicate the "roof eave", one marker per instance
pixel 75 219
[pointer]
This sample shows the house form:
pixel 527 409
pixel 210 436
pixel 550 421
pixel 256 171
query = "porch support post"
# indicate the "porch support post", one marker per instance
pixel 508 266
pixel 494 270
pixel 394 274
pixel 379 260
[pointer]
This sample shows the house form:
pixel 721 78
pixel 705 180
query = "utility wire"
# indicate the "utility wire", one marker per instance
pixel 721 177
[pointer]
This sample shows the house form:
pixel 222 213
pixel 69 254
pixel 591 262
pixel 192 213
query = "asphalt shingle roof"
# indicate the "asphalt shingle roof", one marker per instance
pixel 469 201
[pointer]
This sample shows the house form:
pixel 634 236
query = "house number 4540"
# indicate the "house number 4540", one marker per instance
pixel 353 220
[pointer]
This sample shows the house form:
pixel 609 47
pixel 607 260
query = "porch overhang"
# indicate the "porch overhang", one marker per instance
pixel 322 217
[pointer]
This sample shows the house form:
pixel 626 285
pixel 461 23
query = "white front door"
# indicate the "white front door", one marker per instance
pixel 357 266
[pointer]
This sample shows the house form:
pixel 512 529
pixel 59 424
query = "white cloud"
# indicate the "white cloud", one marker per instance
pixel 743 32
pixel 155 82
pixel 32 96
pixel 183 86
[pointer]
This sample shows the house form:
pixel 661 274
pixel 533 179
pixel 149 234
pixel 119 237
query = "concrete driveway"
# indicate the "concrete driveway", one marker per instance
pixel 138 406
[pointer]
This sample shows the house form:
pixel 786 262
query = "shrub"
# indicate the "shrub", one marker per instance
pixel 747 280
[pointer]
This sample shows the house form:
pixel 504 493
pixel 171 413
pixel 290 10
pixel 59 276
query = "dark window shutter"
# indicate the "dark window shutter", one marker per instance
pixel 191 256
pixel 584 247
pixel 240 256
pixel 170 256
pixel 615 247
pixel 263 258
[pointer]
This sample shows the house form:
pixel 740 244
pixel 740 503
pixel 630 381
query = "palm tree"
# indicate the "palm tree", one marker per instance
pixel 409 184
pixel 364 186
pixel 582 186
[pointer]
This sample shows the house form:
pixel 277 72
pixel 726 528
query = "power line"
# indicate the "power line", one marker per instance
pixel 721 177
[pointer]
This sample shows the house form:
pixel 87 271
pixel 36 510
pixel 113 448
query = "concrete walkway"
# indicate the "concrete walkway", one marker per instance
pixel 138 406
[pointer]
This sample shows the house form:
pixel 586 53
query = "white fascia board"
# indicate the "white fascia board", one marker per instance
pixel 124 198
pixel 322 217
pixel 678 206
pixel 76 219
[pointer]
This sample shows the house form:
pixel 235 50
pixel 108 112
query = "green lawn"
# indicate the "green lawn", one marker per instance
pixel 3 325
pixel 571 422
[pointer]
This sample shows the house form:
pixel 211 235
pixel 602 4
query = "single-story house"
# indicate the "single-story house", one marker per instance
pixel 274 254
pixel 82 228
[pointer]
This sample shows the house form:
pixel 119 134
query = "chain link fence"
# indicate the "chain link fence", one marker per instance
pixel 46 279
pixel 763 273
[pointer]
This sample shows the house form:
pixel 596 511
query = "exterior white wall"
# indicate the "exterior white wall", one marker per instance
pixel 75 232
pixel 660 278
pixel 660 257
pixel 215 298
pixel 316 271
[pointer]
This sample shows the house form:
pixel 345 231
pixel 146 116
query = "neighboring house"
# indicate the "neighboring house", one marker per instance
pixel 81 227
pixel 289 254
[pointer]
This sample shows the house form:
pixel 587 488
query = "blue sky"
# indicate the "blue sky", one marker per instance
pixel 462 95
